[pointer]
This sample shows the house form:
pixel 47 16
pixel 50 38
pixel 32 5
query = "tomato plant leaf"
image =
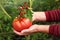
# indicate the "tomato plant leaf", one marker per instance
pixel 28 14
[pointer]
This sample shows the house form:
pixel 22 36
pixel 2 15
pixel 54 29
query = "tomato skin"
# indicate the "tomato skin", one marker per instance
pixel 21 23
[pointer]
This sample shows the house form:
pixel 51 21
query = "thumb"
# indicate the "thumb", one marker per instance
pixel 26 31
pixel 33 18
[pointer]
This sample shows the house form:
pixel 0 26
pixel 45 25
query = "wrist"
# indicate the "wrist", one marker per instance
pixel 40 16
pixel 43 28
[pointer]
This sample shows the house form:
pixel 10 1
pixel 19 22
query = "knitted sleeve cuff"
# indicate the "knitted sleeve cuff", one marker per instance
pixel 53 15
pixel 55 29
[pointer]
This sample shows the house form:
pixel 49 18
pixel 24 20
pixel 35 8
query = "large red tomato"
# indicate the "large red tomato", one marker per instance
pixel 21 23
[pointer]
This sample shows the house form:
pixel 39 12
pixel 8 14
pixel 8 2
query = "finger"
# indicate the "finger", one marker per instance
pixel 20 33
pixel 33 18
pixel 27 31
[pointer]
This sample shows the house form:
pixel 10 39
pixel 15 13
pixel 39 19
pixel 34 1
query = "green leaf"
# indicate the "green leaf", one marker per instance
pixel 28 14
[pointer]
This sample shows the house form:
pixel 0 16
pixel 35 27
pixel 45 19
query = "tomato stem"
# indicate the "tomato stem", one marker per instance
pixel 5 11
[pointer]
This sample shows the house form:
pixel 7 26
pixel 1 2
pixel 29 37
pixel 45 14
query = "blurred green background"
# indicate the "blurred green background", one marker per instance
pixel 10 7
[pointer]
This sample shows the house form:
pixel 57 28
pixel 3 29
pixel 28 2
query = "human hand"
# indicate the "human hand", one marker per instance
pixel 32 29
pixel 38 16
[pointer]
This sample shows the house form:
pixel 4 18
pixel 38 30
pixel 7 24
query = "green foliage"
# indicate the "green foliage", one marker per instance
pixel 43 5
pixel 10 7
pixel 29 14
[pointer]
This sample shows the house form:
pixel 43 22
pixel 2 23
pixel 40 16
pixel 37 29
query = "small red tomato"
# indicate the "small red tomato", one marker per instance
pixel 21 23
pixel 21 13
pixel 22 8
pixel 26 7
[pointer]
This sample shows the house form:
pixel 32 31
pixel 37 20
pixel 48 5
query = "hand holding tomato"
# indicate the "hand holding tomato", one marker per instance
pixel 23 25
pixel 30 30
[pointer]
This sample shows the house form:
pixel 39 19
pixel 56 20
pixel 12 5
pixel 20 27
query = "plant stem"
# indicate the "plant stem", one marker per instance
pixel 30 4
pixel 5 11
